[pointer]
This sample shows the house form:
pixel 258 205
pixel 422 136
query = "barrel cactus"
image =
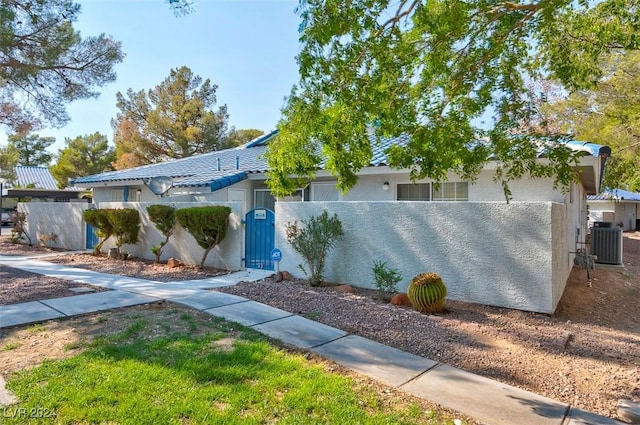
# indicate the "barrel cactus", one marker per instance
pixel 427 293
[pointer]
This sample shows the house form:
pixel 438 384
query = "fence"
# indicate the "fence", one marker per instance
pixel 511 255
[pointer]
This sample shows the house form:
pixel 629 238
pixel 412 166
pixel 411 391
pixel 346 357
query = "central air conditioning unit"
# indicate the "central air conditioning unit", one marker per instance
pixel 606 245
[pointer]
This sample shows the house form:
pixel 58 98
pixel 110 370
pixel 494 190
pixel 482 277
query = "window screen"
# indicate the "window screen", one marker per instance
pixel 414 192
pixel 325 192
pixel 451 191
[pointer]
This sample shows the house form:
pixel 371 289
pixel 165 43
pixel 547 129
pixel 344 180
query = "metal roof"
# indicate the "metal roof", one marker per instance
pixel 615 195
pixel 222 168
pixel 35 177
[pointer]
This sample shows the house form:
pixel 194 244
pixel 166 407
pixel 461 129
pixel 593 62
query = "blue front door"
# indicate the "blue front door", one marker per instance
pixel 259 239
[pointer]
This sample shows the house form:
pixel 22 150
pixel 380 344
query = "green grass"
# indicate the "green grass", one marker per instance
pixel 228 374
pixel 38 327
pixel 10 346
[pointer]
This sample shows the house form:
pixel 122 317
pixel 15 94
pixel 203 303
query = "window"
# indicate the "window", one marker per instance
pixel 264 199
pixel 451 191
pixel 117 195
pixel 324 192
pixel 414 192
pixel 446 191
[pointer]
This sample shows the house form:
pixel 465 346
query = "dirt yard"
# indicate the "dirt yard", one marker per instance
pixel 587 354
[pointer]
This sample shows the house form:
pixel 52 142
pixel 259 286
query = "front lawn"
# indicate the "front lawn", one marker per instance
pixel 190 369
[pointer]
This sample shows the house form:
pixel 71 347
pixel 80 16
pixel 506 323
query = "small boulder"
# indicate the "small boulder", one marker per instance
pixel 283 275
pixel 345 289
pixel 401 299
pixel 172 263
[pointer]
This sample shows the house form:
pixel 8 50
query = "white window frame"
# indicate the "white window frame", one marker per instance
pixel 455 192
pixel 314 186
pixel 117 195
pixel 413 184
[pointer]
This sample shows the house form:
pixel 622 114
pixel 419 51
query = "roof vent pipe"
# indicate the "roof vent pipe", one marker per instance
pixel 218 163
pixel 237 162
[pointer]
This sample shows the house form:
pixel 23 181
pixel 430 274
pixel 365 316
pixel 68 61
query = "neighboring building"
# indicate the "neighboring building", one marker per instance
pixel 616 206
pixel 516 255
pixel 37 184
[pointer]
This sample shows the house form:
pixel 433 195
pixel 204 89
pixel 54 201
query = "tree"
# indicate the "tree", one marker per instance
pixel 31 149
pixel 435 70
pixel 45 63
pixel 8 161
pixel 240 137
pixel 82 156
pixel 173 120
pixel 609 113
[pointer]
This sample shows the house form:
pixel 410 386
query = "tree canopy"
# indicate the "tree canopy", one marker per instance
pixel 450 73
pixel 45 63
pixel 175 119
pixel 31 149
pixel 609 113
pixel 82 156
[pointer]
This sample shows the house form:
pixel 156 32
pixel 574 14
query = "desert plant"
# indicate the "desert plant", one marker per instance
pixel 48 238
pixel 313 240
pixel 103 228
pixel 18 227
pixel 125 225
pixel 164 219
pixel 208 225
pixel 386 279
pixel 427 292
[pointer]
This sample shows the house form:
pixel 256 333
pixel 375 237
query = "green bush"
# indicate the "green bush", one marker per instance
pixel 386 279
pixel 98 219
pixel 164 218
pixel 208 225
pixel 124 224
pixel 313 241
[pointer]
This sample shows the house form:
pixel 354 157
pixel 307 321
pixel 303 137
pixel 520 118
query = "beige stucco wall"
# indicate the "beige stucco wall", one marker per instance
pixel 509 255
pixel 60 218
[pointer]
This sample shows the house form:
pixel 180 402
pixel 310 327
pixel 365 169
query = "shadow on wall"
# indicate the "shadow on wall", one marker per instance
pixel 490 253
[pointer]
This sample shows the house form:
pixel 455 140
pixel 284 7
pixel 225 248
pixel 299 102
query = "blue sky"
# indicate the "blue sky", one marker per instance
pixel 246 47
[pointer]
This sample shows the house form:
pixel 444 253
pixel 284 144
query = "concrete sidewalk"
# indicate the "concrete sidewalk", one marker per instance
pixel 483 399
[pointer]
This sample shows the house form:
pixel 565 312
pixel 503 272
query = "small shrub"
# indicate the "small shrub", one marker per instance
pixel 313 241
pixel 47 239
pixel 386 279
pixel 164 219
pixel 208 225
pixel 125 225
pixel 99 220
pixel 427 292
pixel 18 227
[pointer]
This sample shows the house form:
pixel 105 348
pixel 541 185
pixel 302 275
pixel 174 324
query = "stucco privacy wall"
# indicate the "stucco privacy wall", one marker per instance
pixel 227 255
pixel 59 218
pixel 491 253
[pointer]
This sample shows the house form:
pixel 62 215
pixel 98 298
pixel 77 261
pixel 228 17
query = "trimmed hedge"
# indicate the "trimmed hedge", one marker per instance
pixel 208 225
pixel 164 219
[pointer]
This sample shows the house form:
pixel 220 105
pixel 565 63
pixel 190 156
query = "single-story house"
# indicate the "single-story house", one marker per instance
pixel 517 254
pixel 616 206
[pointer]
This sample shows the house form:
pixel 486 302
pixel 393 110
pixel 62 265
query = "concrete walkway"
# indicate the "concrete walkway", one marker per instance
pixel 483 399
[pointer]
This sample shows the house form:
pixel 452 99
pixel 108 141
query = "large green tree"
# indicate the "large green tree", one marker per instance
pixel 175 119
pixel 609 113
pixel 45 63
pixel 82 156
pixel 8 161
pixel 450 73
pixel 31 148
